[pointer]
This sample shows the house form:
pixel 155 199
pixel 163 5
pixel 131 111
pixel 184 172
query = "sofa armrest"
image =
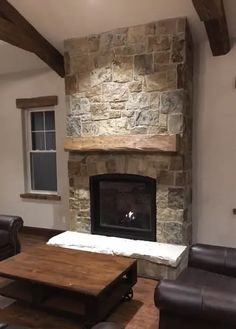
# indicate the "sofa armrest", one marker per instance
pixel 12 224
pixel 216 259
pixel 197 302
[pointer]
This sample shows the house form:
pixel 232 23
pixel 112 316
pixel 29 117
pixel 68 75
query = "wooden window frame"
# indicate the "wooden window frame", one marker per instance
pixel 28 105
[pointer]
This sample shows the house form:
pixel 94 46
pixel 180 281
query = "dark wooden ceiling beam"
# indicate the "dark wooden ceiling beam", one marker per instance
pixel 212 13
pixel 16 30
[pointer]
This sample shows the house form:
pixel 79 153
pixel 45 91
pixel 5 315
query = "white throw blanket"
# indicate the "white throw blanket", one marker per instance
pixel 155 252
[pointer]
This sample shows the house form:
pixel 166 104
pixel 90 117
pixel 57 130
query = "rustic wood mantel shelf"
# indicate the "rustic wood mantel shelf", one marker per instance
pixel 134 143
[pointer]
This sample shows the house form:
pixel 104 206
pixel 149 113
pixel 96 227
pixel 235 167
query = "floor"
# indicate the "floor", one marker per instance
pixel 140 313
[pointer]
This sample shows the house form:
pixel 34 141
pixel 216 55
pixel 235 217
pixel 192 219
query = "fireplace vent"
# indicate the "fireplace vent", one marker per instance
pixel 123 206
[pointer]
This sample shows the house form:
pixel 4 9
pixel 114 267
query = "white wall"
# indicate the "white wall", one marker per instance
pixel 214 193
pixel 43 82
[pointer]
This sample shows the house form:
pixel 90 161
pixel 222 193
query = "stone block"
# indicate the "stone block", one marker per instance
pixel 170 232
pixel 159 43
pixel 147 118
pixel 155 100
pixel 181 76
pixel 176 162
pixel 106 40
pixel 113 39
pixel 131 49
pixel 123 69
pixel 70 84
pixel 181 24
pixel 73 126
pixel 99 111
pixel 100 75
pixel 92 168
pixel 80 105
pixel 163 121
pixel 67 63
pixel 176 198
pixel 118 106
pixel 94 94
pixel 150 29
pixel 180 178
pixel 175 124
pixel 170 215
pixel 143 64
pixel 114 114
pixel 167 26
pixel 165 67
pixel 113 126
pixel 120 37
pixel 136 34
pixel 111 166
pixel 89 128
pixel 73 168
pixel 178 48
pixel 166 178
pixel 160 81
pixel 162 57
pixel 172 102
pixel 84 82
pixel 80 63
pixel 162 198
pixel 115 92
pixel 135 86
pixel 138 101
pixel 76 46
pixel 93 43
pixel 143 130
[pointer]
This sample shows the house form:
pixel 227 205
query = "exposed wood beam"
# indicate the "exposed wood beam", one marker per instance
pixel 135 143
pixel 29 103
pixel 212 13
pixel 16 30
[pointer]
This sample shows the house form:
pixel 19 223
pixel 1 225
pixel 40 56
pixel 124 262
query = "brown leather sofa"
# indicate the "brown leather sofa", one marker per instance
pixel 9 242
pixel 204 295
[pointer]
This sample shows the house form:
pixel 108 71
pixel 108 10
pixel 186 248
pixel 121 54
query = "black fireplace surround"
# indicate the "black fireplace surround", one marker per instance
pixel 124 206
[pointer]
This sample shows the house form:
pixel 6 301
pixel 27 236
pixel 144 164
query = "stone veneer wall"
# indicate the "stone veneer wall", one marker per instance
pixel 135 80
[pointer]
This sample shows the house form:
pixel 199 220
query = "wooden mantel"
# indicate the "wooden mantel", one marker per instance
pixel 135 143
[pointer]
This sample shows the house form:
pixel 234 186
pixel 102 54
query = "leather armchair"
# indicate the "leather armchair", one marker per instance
pixel 9 242
pixel 204 295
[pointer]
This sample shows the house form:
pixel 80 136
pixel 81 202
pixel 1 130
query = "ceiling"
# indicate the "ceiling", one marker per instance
pixel 63 19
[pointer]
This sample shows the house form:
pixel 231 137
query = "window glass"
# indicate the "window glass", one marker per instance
pixel 50 141
pixel 38 141
pixel 37 121
pixel 43 171
pixel 49 120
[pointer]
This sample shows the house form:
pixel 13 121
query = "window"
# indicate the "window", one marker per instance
pixel 40 143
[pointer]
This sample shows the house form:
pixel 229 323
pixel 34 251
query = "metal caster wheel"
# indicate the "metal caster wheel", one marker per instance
pixel 128 296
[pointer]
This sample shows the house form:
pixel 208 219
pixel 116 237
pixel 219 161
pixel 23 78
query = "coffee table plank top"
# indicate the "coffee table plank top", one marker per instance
pixel 84 272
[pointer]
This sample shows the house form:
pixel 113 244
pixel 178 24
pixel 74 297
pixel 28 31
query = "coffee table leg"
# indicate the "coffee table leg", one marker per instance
pixel 91 313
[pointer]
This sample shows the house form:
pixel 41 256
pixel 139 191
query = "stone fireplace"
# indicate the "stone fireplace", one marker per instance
pixel 129 99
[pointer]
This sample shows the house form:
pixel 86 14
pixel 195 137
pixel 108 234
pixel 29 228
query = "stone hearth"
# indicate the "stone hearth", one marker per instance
pixel 133 81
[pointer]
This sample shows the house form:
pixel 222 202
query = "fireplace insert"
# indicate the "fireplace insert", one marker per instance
pixel 123 206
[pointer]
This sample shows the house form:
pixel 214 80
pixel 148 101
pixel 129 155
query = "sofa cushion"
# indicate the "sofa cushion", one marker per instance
pixel 4 238
pixel 201 278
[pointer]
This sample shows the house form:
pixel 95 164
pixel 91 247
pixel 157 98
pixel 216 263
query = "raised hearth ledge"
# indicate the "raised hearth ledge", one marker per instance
pixel 135 143
pixel 155 260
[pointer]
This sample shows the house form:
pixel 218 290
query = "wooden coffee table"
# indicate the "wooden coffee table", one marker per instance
pixel 80 283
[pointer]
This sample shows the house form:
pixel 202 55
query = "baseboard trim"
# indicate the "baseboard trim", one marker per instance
pixel 40 231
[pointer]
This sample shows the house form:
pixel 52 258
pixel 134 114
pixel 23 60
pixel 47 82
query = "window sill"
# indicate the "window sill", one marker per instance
pixel 39 196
